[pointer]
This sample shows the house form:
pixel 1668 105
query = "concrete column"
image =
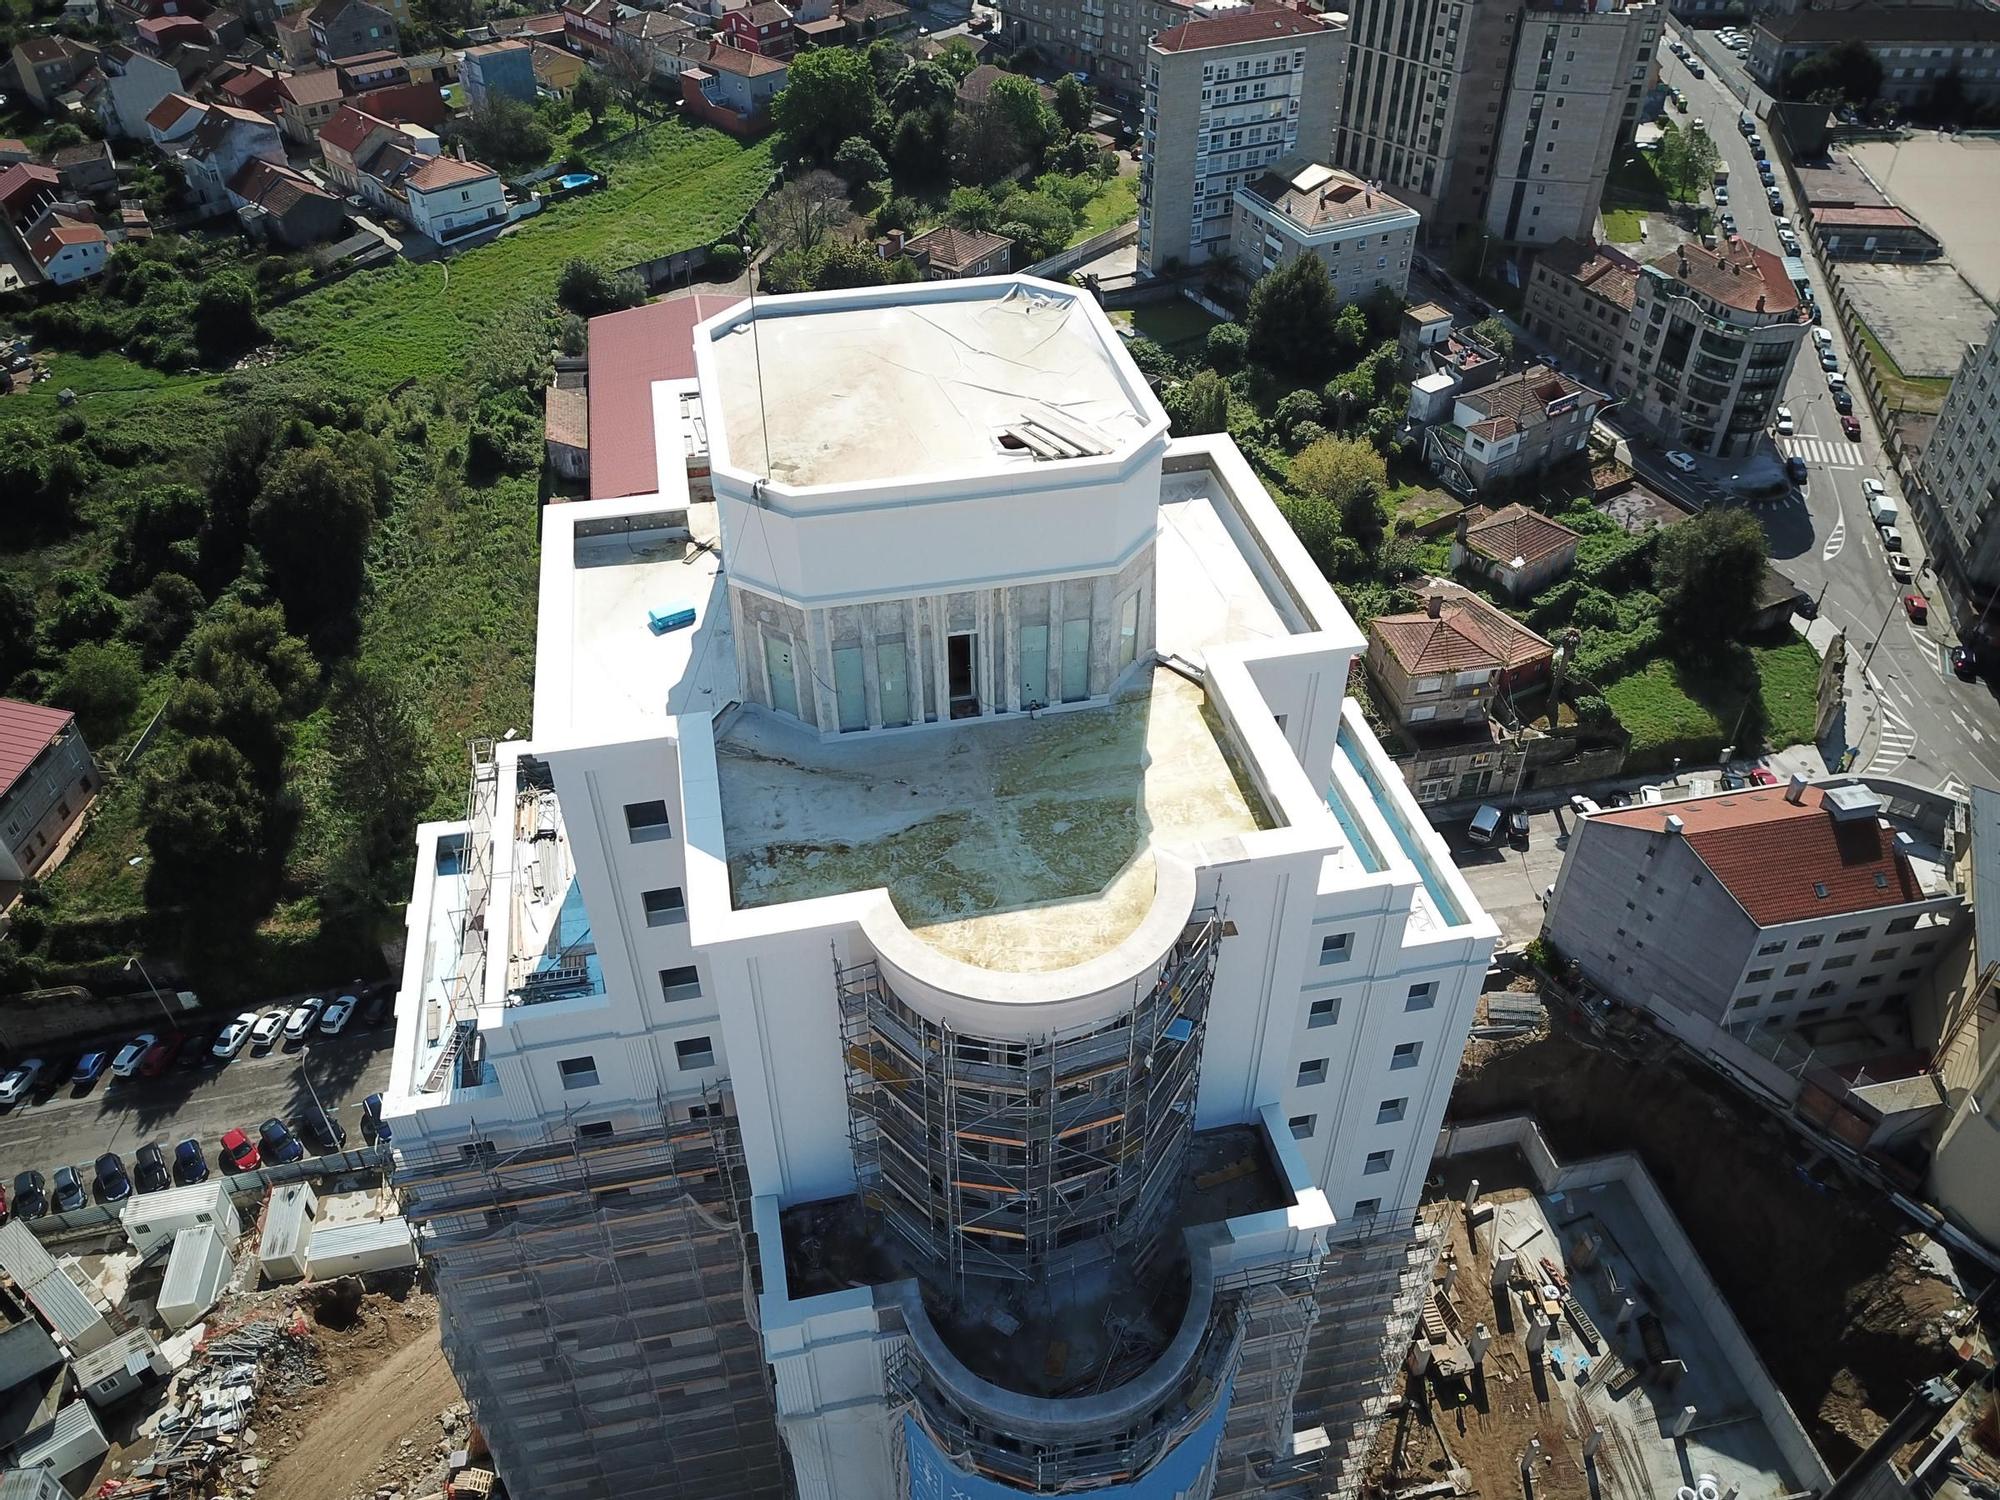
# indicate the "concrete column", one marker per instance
pixel 1538 1333
pixel 1450 1276
pixel 1627 1311
pixel 1472 1194
pixel 1503 1269
pixel 1592 1441
pixel 1419 1360
pixel 1531 1455
pixel 1478 1342
pixel 1684 1421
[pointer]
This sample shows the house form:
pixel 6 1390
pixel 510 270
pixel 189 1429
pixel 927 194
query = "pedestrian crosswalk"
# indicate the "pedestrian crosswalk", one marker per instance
pixel 1822 453
pixel 1896 741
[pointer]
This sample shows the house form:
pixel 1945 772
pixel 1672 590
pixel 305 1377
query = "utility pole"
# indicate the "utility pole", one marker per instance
pixel 133 963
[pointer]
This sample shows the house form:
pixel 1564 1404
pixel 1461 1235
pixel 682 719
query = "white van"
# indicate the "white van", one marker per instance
pixel 1823 337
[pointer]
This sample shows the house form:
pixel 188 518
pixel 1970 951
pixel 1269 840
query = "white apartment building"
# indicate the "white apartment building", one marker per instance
pixel 951 997
pixel 1494 117
pixel 1228 95
pixel 1953 492
pixel 1299 208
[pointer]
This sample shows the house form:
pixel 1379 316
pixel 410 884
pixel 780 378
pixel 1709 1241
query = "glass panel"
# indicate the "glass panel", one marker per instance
pixel 778 663
pixel 850 690
pixel 1128 632
pixel 1075 660
pixel 893 681
pixel 1034 664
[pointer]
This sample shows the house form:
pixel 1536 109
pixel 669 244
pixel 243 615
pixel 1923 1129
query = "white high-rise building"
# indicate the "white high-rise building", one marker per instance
pixel 969 1010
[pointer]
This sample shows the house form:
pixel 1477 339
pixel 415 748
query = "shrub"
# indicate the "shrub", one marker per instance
pixel 726 260
pixel 1226 347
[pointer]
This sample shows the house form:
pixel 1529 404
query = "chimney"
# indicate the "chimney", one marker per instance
pixel 1760 302
pixel 1434 606
pixel 895 243
pixel 1674 824
pixel 1796 792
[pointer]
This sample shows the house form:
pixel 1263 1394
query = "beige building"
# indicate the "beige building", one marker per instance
pixel 1300 207
pixel 1492 116
pixel 1712 338
pixel 1519 550
pixel 47 780
pixel 1226 97
pixel 1103 38
pixel 1512 429
pixel 1578 302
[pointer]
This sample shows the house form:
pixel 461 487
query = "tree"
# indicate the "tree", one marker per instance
pixel 1708 571
pixel 829 95
pixel 1226 346
pixel 1295 409
pixel 1686 161
pixel 1496 333
pixel 922 87
pixel 1339 470
pixel 162 615
pixel 805 211
pixel 1291 317
pixel 858 162
pixel 312 523
pixel 920 144
pixel 587 289
pixel 726 260
pixel 100 683
pixel 164 520
pixel 1198 404
pixel 985 146
pixel 1020 101
pixel 971 208
pixel 84 610
pixel 504 133
pixel 207 827
pixel 592 94
pixel 1039 224
pixel 1316 523
pixel 1073 102
pixel 247 679
pixel 958 59
pixel 1350 332
pixel 380 782
pixel 225 317
pixel 1850 71
pixel 17 629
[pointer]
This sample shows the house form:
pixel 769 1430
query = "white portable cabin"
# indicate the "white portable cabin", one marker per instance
pixel 288 1229
pixel 197 1271
pixel 371 1245
pixel 152 1219
pixel 65 1443
pixel 130 1363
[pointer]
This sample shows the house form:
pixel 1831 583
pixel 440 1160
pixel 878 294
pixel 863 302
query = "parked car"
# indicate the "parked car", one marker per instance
pixel 1763 777
pixel 113 1184
pixel 3 1206
pixel 303 1018
pixel 190 1166
pixel 198 1049
pixel 1829 361
pixel 20 1079
pixel 31 1195
pixel 1774 198
pixel 239 1152
pixel 323 1133
pixel 1963 663
pixel 1685 462
pixel 276 1143
pixel 160 1056
pixel 1917 607
pixel 1851 427
pixel 1786 426
pixel 70 1192
pixel 150 1170
pixel 89 1068
pixel 338 1015
pixel 266 1031
pixel 1899 568
pixel 1695 68
pixel 373 1126
pixel 234 1035
pixel 1842 402
pixel 1795 470
pixel 126 1063
pixel 1822 338
pixel 1486 825
pixel 1892 539
pixel 378 1007
pixel 1517 828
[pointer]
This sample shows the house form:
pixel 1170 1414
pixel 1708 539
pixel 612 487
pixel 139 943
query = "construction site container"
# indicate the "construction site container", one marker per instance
pixel 198 1269
pixel 54 1290
pixel 373 1245
pixel 288 1228
pixel 152 1219
pixel 31 1484
pixel 130 1363
pixel 66 1442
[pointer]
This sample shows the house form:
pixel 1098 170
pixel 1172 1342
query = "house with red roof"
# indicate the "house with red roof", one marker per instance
pixel 66 249
pixel 1818 910
pixel 174 119
pixel 349 138
pixel 763 27
pixel 448 198
pixel 292 209
pixel 631 352
pixel 47 782
pixel 306 101
pixel 26 188
pixel 211 155
pixel 1518 549
pixel 730 88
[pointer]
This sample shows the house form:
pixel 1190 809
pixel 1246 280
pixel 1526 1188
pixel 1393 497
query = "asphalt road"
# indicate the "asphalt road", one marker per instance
pixel 1508 881
pixel 64 1127
pixel 1923 724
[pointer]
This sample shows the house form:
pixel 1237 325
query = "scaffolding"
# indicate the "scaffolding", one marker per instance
pixel 450 1023
pixel 1003 1159
pixel 594 1303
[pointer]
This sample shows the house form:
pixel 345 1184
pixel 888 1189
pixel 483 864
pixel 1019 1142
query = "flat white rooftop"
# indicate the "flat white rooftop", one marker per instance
pixel 815 393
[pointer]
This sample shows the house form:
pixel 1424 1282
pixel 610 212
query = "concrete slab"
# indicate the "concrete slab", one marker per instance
pixel 1951 183
pixel 1924 313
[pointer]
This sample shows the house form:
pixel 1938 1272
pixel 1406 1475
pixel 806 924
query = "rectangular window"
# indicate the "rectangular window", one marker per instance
pixel 680 984
pixel 1811 942
pixel 1302 1126
pixel 1336 949
pixel 1312 1072
pixel 646 821
pixel 1845 961
pixel 1900 924
pixel 1770 948
pixel 596 1130
pixel 1795 969
pixel 1389 1111
pixel 1075 660
pixel 892 682
pixel 1756 974
pixel 1128 630
pixel 694 1052
pixel 1323 1013
pixel 1881 955
pixel 1421 996
pixel 1367 1208
pixel 1034 664
pixel 1406 1054
pixel 850 688
pixel 1377 1161
pixel 578 1072
pixel 1852 935
pixel 665 908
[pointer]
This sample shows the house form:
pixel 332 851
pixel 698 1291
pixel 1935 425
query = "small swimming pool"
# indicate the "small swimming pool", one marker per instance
pixel 569 182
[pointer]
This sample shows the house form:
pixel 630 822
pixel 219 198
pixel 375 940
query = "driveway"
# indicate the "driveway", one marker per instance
pixel 1508 881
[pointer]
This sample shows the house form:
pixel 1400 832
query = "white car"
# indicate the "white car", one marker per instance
pixel 1872 489
pixel 14 1087
pixel 1685 462
pixel 1823 337
pixel 302 1019
pixel 1786 427
pixel 234 1035
pixel 338 1015
pixel 1721 195
pixel 126 1063
pixel 267 1030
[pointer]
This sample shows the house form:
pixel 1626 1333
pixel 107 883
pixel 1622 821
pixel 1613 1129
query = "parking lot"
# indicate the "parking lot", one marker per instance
pixel 61 1125
pixel 1509 881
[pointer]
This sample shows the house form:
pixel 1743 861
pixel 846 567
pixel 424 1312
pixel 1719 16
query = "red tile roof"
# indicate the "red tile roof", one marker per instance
pixel 1775 856
pixel 723 59
pixel 628 352
pixel 60 233
pixel 447 171
pixel 1742 278
pixel 20 182
pixel 319 86
pixel 1515 531
pixel 25 732
pixel 275 188
pixel 1239 26
pixel 1874 218
pixel 1423 646
pixel 404 104
pixel 348 128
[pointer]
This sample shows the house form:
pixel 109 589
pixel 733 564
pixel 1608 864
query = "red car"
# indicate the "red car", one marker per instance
pixel 160 1056
pixel 1917 607
pixel 1851 427
pixel 1762 777
pixel 3 1205
pixel 239 1152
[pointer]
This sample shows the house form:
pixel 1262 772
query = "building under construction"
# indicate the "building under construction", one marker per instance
pixel 951 998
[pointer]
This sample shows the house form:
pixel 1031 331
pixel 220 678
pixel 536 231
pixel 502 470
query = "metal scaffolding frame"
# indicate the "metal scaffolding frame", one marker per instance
pixel 998 1158
pixel 452 1029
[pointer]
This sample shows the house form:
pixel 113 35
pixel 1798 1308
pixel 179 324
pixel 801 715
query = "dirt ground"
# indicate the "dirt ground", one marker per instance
pixel 381 1411
pixel 1844 1315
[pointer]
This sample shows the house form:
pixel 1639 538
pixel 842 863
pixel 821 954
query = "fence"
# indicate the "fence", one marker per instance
pixel 1065 261
pixel 95 1220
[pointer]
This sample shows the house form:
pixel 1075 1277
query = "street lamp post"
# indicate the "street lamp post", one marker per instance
pixel 133 963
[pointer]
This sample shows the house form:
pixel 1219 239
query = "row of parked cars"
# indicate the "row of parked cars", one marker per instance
pixel 150 1053
pixel 107 1180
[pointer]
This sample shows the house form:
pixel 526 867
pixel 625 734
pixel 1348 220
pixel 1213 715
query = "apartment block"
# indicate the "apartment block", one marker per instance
pixel 1494 118
pixel 1954 497
pixel 1228 96
pixel 1578 302
pixel 1365 238
pixel 1712 337
pixel 950 995
pixel 1105 39
pixel 1918 46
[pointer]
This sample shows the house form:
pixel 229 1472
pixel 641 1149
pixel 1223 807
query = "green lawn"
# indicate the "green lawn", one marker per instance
pixel 1670 710
pixel 1115 204
pixel 1919 393
pixel 1631 193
